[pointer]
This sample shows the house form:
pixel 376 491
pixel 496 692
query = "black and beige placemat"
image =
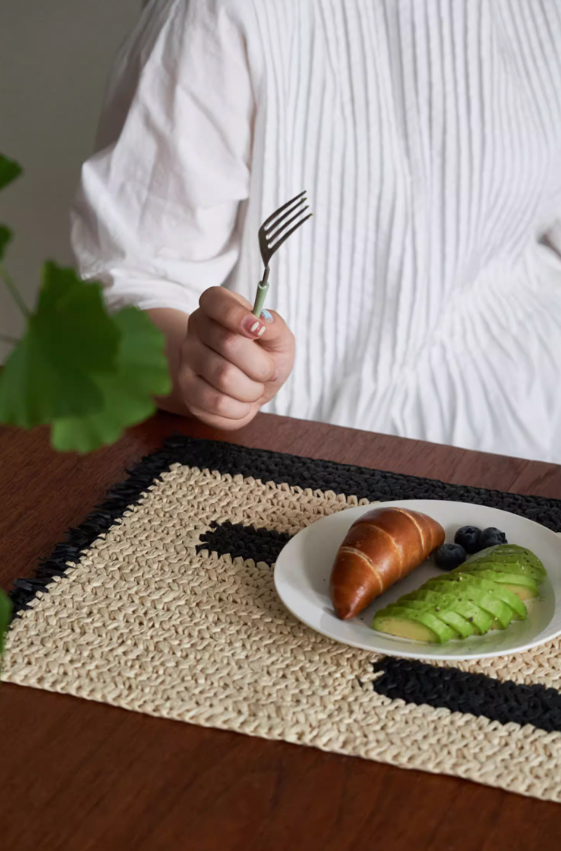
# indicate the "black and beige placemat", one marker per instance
pixel 163 602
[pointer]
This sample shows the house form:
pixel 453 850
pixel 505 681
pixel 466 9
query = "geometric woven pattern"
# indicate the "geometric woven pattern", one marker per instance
pixel 163 602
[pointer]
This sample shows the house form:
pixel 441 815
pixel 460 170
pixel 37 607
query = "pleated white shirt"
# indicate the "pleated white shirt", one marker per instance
pixel 425 293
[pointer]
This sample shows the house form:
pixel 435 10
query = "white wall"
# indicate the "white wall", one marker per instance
pixel 55 56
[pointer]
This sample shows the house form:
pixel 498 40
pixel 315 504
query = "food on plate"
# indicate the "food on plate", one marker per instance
pixel 523 586
pixel 473 539
pixel 381 547
pixel 514 556
pixel 501 611
pixel 449 556
pixel 500 592
pixel 409 623
pixel 442 600
pixel 488 591
pixel 468 538
pixel 447 612
pixel 491 537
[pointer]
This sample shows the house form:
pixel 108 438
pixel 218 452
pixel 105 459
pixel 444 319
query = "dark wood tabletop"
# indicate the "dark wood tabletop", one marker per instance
pixel 77 775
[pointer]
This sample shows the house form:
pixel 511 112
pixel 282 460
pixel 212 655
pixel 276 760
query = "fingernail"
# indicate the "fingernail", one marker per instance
pixel 251 325
pixel 268 317
pixel 261 331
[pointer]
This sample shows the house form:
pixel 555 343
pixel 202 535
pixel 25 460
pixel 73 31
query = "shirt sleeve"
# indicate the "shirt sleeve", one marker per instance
pixel 156 212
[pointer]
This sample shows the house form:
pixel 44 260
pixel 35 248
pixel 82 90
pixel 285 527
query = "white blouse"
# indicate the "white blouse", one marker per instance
pixel 425 294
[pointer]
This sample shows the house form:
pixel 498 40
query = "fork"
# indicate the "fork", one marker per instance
pixel 272 233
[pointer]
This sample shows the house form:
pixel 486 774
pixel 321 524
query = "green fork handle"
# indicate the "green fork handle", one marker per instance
pixel 262 290
pixel 260 296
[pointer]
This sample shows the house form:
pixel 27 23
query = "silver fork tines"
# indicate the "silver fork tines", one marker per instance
pixel 273 232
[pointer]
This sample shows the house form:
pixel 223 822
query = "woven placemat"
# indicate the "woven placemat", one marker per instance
pixel 163 602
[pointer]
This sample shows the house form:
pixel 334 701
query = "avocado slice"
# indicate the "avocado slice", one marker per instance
pixel 478 617
pixel 494 588
pixel 473 593
pixel 420 609
pixel 486 592
pixel 523 586
pixel 404 628
pixel 514 562
pixel 447 614
pixel 509 554
pixel 526 555
pixel 506 567
pixel 409 623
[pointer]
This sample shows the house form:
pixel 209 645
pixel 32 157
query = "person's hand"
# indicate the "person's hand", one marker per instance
pixel 231 361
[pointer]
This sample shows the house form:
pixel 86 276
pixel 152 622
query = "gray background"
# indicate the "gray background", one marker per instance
pixel 55 57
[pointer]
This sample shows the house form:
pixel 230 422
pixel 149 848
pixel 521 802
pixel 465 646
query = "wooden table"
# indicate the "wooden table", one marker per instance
pixel 76 776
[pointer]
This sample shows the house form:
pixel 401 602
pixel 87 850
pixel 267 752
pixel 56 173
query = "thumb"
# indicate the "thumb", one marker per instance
pixel 277 336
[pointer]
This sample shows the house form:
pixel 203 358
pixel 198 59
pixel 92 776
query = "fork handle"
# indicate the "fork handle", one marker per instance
pixel 262 290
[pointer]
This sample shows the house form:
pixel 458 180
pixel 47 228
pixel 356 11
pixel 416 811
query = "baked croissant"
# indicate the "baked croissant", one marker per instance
pixel 380 548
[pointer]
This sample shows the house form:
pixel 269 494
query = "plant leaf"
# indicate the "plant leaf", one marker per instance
pixel 9 170
pixel 71 320
pixel 68 342
pixel 5 615
pixel 142 373
pixel 5 237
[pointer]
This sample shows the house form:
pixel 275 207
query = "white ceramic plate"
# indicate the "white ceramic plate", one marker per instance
pixel 304 566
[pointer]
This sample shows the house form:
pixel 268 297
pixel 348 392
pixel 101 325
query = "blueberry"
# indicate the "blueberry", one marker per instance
pixel 449 556
pixel 468 538
pixel 491 537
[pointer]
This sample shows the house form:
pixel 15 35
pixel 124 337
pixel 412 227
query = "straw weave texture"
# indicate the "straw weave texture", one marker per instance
pixel 150 619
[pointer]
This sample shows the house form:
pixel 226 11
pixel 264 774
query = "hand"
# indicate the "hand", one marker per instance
pixel 231 361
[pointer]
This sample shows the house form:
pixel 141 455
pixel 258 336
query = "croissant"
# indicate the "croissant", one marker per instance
pixel 381 547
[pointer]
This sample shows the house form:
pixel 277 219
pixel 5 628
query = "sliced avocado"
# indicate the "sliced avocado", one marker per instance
pixel 478 617
pixel 404 628
pixel 510 554
pixel 409 623
pixel 423 608
pixel 523 586
pixel 494 588
pixel 527 556
pixel 507 567
pixel 507 548
pixel 458 623
pixel 471 593
pixel 514 561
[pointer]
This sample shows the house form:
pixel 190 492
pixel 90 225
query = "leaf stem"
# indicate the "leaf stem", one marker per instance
pixel 8 280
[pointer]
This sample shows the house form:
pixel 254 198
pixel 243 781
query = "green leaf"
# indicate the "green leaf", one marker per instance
pixel 142 373
pixel 5 237
pixel 72 321
pixel 9 170
pixel 5 615
pixel 69 341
